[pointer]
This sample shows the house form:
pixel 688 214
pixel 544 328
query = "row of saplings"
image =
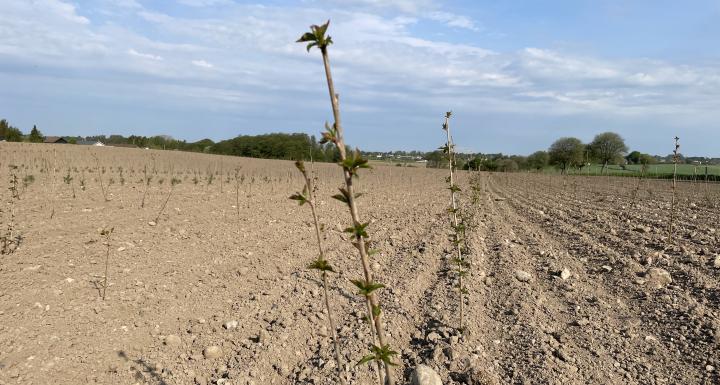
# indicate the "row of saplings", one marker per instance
pixel 381 353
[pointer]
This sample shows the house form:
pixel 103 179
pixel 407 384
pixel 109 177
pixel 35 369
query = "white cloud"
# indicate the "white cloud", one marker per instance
pixel 202 63
pixel 204 3
pixel 453 20
pixel 406 6
pixel 135 53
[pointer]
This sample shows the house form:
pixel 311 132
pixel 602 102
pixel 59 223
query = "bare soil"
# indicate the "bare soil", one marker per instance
pixel 596 308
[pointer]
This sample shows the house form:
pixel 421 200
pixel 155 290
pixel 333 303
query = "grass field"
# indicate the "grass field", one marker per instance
pixel 661 170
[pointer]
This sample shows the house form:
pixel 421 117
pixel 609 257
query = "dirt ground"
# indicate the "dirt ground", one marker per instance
pixel 573 281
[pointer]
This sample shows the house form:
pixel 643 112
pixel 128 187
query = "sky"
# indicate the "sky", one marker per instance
pixel 516 74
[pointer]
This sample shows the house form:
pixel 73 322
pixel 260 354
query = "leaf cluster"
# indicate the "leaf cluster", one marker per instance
pixel 316 37
pixel 383 354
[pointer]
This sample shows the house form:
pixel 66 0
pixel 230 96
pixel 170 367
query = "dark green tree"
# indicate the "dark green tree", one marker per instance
pixel 566 152
pixel 9 133
pixel 607 148
pixel 538 160
pixel 633 157
pixel 35 135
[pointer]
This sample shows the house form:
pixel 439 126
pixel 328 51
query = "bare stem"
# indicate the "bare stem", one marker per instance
pixel 106 233
pixel 371 299
pixel 321 252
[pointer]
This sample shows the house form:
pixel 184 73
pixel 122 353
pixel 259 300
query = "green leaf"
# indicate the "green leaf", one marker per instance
pixel 383 354
pixel 376 311
pixel 322 265
pixel 352 163
pixel 366 288
pixel 460 228
pixel 358 230
pixel 366 359
pixel 299 197
pixel 307 36
pixel 454 188
pixel 344 196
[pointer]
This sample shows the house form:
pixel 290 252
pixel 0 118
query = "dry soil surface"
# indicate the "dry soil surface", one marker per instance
pixel 572 280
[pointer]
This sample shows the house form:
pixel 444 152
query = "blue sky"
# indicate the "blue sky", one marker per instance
pixel 517 74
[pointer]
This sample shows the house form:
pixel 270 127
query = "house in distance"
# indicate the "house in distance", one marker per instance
pixel 55 140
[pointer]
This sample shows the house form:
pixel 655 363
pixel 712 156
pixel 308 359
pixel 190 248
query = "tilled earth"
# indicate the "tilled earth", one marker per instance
pixel 573 281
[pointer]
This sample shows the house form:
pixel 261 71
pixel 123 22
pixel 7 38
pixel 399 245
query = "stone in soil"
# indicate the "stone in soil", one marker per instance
pixel 657 278
pixel 212 352
pixel 565 274
pixel 425 375
pixel 522 276
pixel 172 340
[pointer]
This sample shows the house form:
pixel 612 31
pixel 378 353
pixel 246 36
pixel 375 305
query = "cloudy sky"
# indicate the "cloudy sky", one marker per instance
pixel 517 74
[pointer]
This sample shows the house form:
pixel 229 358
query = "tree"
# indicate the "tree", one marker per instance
pixel 35 135
pixel 633 157
pixel 608 147
pixel 566 152
pixel 9 133
pixel 538 160
pixel 507 165
pixel 646 159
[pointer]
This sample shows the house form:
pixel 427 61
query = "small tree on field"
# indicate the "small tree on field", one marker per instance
pixel 566 152
pixel 607 148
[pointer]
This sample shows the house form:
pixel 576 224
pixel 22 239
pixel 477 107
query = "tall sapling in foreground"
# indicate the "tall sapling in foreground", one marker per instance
pixel 351 164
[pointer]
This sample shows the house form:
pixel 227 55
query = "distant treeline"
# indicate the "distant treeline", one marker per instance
pixel 566 154
pixel 271 146
pixel 277 146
